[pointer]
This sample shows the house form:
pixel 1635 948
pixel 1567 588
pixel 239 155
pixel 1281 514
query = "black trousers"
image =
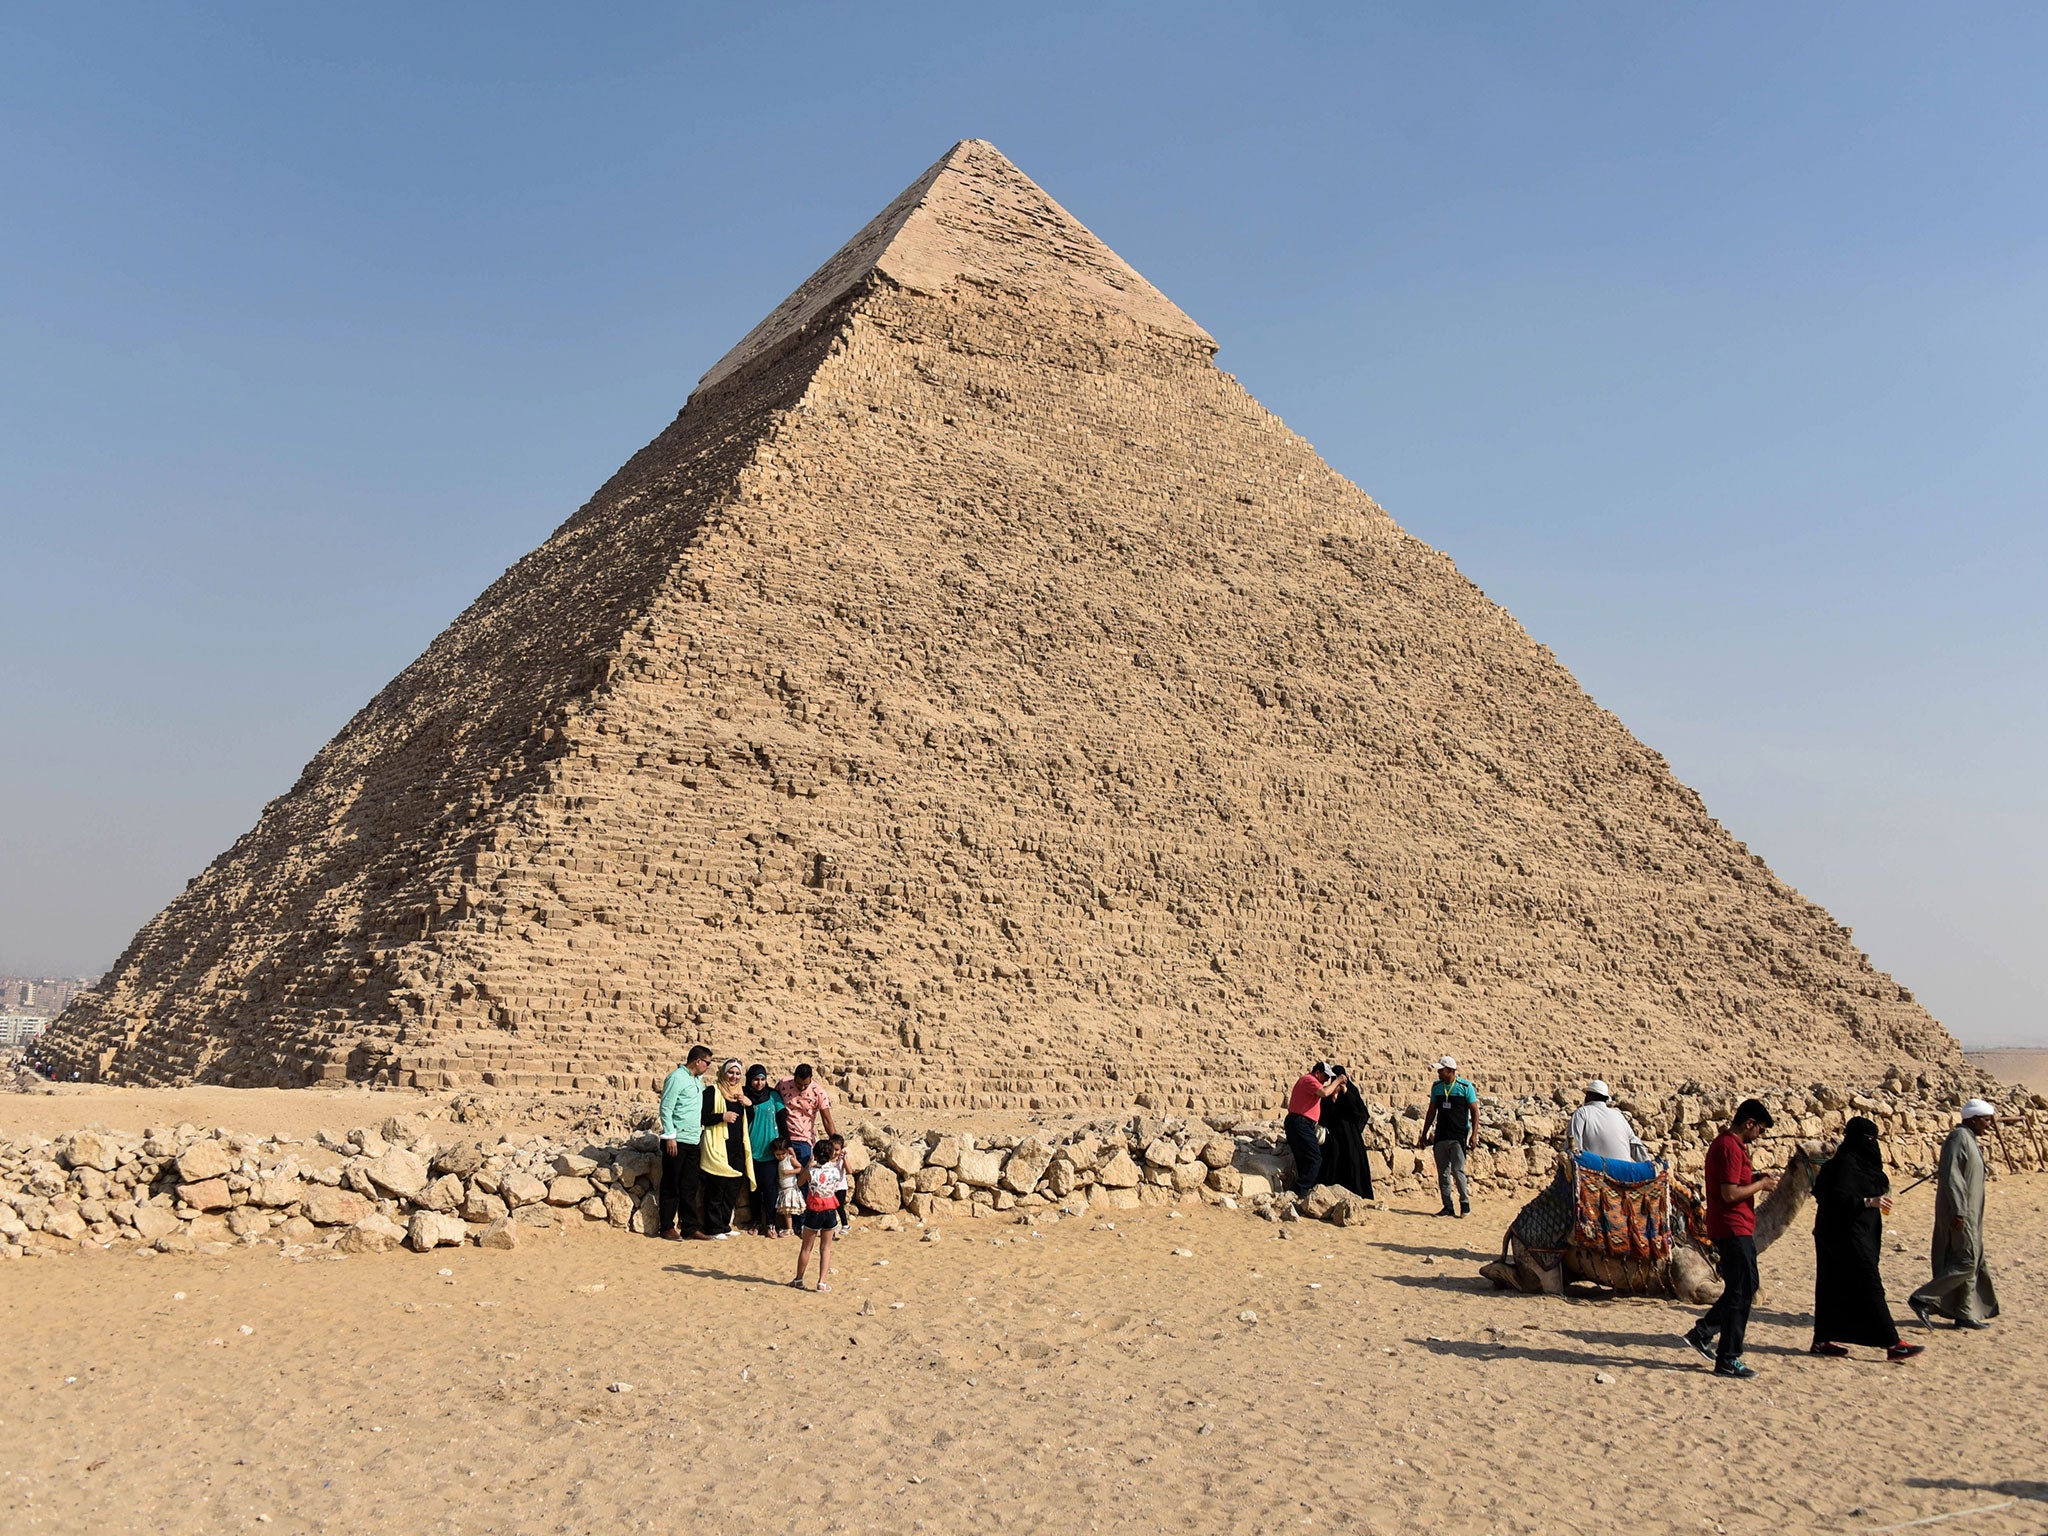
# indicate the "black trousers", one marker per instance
pixel 1308 1153
pixel 721 1194
pixel 1738 1289
pixel 679 1193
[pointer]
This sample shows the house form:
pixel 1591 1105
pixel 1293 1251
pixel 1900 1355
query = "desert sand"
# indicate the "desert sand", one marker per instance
pixel 2027 1067
pixel 1201 1371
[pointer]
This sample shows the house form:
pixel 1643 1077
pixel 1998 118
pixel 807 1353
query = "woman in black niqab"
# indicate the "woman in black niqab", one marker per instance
pixel 1344 1155
pixel 1850 1196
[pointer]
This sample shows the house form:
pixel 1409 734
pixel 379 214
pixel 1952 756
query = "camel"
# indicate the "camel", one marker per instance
pixel 1526 1265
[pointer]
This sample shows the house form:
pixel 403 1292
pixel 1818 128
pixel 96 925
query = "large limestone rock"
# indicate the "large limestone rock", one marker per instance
pixel 1034 700
pixel 879 1189
pixel 434 1229
pixel 203 1160
pixel 326 1207
pixel 396 1171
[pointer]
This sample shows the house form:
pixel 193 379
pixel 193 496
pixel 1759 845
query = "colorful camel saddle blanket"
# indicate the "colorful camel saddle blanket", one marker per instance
pixel 1624 1217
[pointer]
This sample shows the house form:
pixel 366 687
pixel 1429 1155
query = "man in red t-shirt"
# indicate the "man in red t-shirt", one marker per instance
pixel 1304 1111
pixel 1732 1188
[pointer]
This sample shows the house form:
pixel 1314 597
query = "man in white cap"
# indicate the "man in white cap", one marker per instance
pixel 1961 1289
pixel 1454 1118
pixel 1598 1127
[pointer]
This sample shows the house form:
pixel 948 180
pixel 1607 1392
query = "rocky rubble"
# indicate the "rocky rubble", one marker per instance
pixel 424 1185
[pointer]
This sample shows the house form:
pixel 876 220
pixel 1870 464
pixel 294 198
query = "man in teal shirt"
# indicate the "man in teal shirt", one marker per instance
pixel 682 1128
pixel 1454 1118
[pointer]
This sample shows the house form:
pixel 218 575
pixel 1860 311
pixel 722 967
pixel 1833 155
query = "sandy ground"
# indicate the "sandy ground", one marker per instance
pixel 2029 1068
pixel 1087 1378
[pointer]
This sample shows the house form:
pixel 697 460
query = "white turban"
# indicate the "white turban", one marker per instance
pixel 1977 1107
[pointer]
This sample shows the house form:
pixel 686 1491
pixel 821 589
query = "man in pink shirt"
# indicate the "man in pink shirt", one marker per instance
pixel 805 1101
pixel 1304 1112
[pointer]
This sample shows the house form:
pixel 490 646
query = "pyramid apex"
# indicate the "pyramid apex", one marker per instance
pixel 972 215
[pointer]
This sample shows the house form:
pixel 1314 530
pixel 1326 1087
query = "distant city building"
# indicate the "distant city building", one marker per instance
pixel 42 996
pixel 20 1028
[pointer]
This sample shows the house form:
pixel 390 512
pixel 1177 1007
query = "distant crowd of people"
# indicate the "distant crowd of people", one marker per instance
pixel 1325 1129
pixel 728 1133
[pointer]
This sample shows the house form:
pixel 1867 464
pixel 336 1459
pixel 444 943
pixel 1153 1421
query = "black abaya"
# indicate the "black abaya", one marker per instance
pixel 1848 1290
pixel 1345 1160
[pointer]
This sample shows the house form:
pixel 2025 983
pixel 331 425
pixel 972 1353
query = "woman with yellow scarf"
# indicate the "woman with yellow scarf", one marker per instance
pixel 725 1154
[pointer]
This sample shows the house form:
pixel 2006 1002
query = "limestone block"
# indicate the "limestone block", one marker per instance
pixel 522 1189
pixel 1118 1171
pixel 373 1234
pixel 203 1160
pixel 878 1189
pixel 569 1190
pixel 207 1195
pixel 154 1221
pixel 980 1168
pixel 462 1159
pixel 482 1206
pixel 276 1190
pixel 1335 1204
pixel 1027 1165
pixel 89 1149
pixel 335 1207
pixel 434 1229
pixel 445 1194
pixel 396 1171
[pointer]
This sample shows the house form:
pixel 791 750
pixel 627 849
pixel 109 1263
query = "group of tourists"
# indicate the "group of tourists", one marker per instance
pixel 1852 1195
pixel 726 1133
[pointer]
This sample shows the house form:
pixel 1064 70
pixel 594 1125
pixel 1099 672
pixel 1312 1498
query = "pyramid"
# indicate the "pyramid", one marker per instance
pixel 976 691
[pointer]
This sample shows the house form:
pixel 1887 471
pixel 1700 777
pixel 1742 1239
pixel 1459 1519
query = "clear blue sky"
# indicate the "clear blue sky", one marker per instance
pixel 1709 340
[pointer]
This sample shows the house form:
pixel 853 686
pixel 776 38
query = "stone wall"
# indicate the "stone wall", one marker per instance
pixel 424 1185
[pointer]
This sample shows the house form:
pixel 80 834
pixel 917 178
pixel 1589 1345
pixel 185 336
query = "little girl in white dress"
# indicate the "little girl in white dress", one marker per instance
pixel 789 1200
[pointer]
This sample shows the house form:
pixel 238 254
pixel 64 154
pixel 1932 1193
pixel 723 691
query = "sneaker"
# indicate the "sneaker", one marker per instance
pixel 1701 1341
pixel 1465 1209
pixel 1447 1211
pixel 1827 1351
pixel 1924 1312
pixel 1734 1368
pixel 1905 1351
pixel 719 1237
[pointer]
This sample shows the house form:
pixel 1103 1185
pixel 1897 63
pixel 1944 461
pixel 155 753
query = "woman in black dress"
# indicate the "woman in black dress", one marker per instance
pixel 1851 1195
pixel 1345 1160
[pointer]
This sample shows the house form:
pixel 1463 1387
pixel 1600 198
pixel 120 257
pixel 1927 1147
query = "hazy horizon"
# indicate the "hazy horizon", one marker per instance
pixel 1709 344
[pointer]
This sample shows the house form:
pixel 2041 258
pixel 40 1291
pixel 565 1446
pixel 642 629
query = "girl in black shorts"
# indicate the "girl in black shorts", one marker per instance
pixel 824 1181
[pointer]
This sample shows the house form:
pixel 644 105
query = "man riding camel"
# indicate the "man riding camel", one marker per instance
pixel 1598 1127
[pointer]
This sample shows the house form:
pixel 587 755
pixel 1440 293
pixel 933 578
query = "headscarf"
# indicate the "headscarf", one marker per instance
pixel 1856 1171
pixel 758 1095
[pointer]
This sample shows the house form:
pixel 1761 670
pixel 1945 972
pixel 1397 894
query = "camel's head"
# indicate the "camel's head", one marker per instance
pixel 1795 1187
